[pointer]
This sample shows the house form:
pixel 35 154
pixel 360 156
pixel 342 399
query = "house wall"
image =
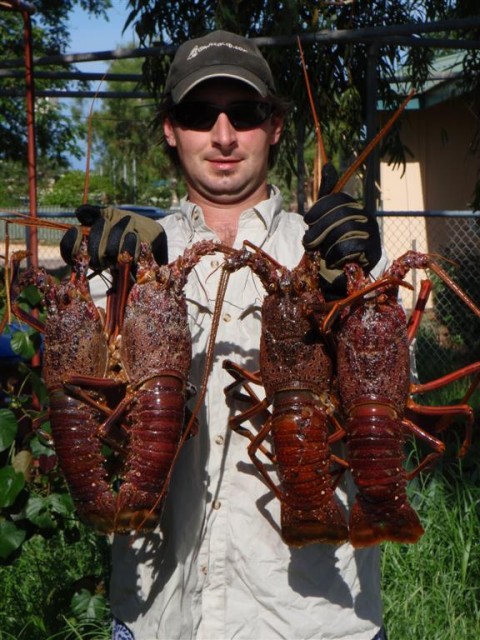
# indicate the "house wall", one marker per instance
pixel 442 166
pixel 441 175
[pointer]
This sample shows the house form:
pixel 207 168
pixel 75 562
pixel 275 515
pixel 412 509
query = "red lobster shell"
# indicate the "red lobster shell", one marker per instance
pixel 374 389
pixel 296 372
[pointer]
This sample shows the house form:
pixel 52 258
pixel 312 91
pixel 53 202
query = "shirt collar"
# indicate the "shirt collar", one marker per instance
pixel 266 211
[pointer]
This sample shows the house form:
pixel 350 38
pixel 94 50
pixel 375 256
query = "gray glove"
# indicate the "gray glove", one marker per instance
pixel 113 231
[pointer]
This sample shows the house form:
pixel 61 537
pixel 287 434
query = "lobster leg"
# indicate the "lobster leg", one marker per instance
pixel 256 443
pixel 447 413
pixel 437 446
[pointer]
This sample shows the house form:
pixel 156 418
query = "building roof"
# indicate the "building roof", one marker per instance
pixel 445 82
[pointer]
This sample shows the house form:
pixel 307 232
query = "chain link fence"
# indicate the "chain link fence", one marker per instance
pixel 449 335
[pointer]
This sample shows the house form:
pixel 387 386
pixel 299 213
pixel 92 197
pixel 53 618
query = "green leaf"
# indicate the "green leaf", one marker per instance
pixel 32 295
pixel 8 428
pixel 11 538
pixel 39 448
pixel 22 345
pixel 87 605
pixel 37 511
pixel 60 503
pixel 11 483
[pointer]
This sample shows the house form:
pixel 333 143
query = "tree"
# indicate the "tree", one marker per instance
pixel 129 150
pixel 68 190
pixel 338 72
pixel 55 133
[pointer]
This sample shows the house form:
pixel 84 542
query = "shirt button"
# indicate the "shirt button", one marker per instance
pixel 227 317
pixel 219 439
pixel 216 504
pixel 214 264
pixel 203 569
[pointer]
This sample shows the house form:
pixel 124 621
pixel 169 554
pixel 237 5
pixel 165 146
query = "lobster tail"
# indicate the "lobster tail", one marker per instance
pixel 371 524
pixel 302 527
pixel 381 510
pixel 309 511
pixel 155 423
pixel 74 429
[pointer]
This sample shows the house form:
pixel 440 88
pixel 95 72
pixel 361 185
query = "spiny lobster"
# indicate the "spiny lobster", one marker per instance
pixel 372 339
pixel 123 384
pixel 296 371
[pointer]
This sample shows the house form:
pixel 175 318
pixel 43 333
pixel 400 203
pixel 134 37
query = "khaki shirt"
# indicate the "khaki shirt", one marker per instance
pixel 217 568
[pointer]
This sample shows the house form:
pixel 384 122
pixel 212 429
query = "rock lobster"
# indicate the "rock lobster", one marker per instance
pixel 296 371
pixel 372 339
pixel 120 384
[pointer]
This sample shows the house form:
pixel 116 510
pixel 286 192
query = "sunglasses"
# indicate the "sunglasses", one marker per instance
pixel 201 116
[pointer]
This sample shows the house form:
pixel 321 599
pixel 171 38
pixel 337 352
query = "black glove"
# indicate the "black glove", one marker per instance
pixel 342 231
pixel 113 231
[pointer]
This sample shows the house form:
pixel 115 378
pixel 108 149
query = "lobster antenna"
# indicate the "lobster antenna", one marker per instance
pixel 27 220
pixel 320 151
pixel 222 287
pixel 453 286
pixel 372 144
pixel 86 185
pixel 318 131
pixel 320 159
pixel 8 311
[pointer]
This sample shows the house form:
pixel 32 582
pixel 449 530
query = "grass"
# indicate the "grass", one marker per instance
pixel 432 589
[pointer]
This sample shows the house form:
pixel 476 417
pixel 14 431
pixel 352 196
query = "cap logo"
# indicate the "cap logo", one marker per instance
pixel 196 49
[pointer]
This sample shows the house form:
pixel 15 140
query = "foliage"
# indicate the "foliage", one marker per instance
pixel 55 132
pixel 33 497
pixel 465 270
pixel 68 190
pixel 56 588
pixel 431 589
pixel 448 357
pixel 46 554
pixel 14 184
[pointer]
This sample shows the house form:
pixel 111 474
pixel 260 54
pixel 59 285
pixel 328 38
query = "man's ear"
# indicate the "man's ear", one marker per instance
pixel 169 133
pixel 277 128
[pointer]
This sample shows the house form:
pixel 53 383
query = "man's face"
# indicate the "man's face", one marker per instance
pixel 224 165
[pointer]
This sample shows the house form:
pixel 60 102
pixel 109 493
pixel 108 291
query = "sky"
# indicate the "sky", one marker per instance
pixel 89 34
pixel 96 34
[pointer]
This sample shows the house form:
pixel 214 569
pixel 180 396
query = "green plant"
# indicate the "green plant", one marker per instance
pixel 431 589
pixel 56 588
pixel 33 495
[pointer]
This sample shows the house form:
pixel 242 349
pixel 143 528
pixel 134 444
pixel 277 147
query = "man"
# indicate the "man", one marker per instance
pixel 217 567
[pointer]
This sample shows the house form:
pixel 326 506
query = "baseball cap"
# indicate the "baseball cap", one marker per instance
pixel 219 54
